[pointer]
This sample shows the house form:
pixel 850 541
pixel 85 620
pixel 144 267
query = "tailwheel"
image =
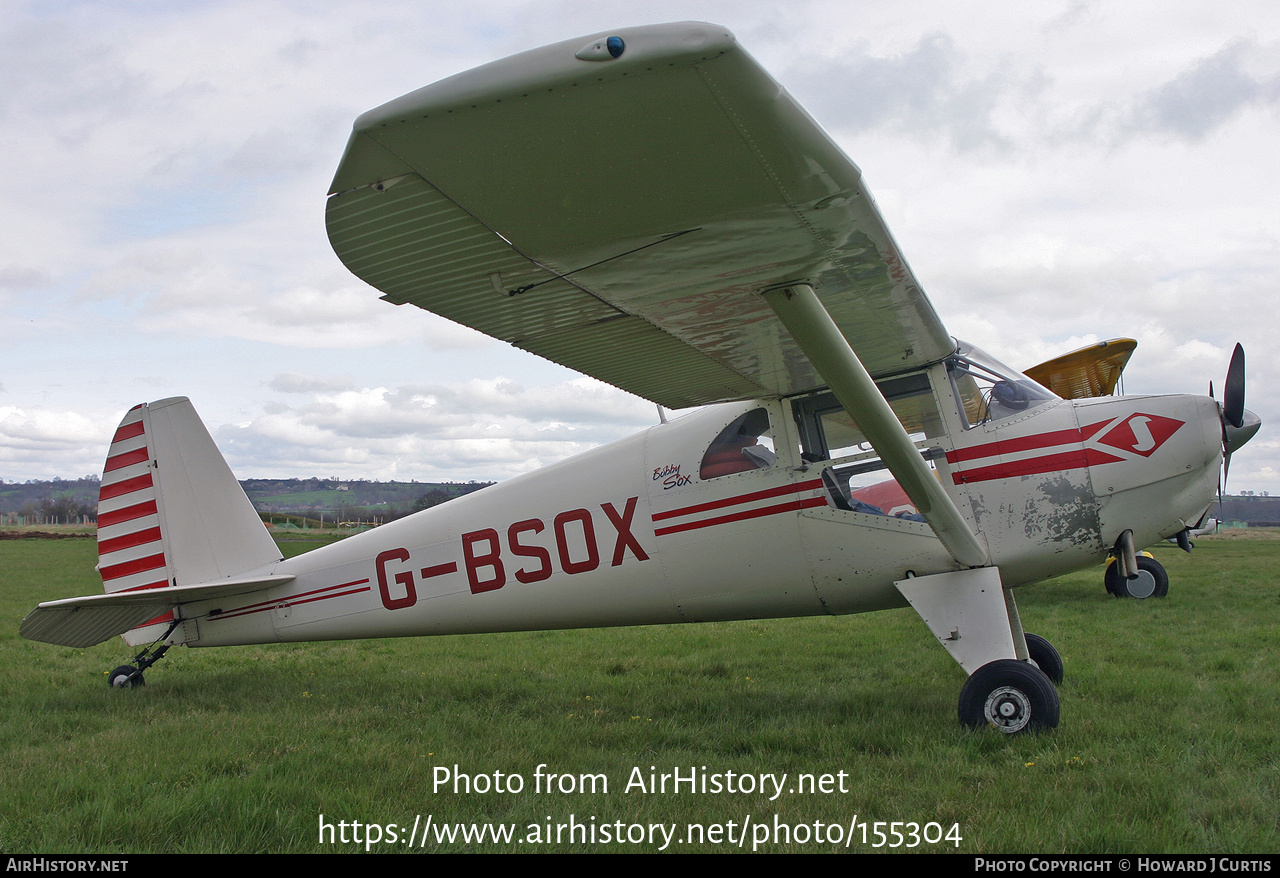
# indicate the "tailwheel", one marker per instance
pixel 1013 696
pixel 1151 582
pixel 130 676
pixel 1045 657
pixel 125 677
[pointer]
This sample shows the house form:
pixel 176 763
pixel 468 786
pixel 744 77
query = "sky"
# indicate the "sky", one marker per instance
pixel 1055 173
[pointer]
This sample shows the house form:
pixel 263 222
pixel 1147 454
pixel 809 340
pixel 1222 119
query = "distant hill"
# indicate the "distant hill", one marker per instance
pixel 358 499
pixel 58 500
pixel 1253 509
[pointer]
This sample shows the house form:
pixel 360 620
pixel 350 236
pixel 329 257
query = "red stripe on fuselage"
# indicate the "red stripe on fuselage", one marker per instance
pixel 741 498
pixel 1014 446
pixel 1049 463
pixel 791 506
pixel 305 597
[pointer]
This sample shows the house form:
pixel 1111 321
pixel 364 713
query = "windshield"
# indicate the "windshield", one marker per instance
pixel 989 390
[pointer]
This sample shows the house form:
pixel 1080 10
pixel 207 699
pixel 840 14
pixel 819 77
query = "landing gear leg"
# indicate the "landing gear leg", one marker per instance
pixel 977 620
pixel 130 676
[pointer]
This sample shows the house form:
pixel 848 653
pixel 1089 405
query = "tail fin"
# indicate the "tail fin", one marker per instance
pixel 170 511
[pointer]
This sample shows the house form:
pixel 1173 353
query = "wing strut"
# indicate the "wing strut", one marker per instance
pixel 808 322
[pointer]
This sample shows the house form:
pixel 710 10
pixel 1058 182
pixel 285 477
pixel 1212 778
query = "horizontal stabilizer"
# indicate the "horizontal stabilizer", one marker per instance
pixel 86 621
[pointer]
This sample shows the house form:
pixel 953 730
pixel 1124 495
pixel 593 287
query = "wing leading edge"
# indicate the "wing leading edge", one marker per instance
pixel 621 217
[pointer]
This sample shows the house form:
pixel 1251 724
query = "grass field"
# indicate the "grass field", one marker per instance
pixel 1168 741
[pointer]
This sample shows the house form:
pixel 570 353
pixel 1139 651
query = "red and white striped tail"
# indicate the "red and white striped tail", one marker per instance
pixel 130 540
pixel 170 511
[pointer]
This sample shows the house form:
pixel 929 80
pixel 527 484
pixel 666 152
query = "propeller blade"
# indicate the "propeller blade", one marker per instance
pixel 1233 392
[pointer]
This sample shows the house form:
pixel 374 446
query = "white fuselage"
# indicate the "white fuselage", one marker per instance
pixel 643 531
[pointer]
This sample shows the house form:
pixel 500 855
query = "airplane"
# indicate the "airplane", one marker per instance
pixel 649 207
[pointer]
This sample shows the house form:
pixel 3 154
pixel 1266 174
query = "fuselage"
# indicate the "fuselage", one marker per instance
pixel 751 510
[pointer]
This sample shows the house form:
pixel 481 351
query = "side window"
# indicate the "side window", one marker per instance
pixel 744 445
pixel 860 481
pixel 828 433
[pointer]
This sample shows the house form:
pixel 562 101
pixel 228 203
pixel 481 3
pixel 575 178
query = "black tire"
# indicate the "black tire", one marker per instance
pixel 1111 579
pixel 1152 581
pixel 1012 696
pixel 125 677
pixel 1045 657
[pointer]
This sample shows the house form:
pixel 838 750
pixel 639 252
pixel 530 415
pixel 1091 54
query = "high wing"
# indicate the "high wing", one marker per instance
pixel 1088 372
pixel 616 204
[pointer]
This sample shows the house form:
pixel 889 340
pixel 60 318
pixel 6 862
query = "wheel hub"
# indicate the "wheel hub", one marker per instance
pixel 1142 587
pixel 1008 709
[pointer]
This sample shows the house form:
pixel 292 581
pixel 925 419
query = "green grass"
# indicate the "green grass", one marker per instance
pixel 1168 740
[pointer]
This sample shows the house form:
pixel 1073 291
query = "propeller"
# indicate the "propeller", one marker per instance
pixel 1238 423
pixel 1233 392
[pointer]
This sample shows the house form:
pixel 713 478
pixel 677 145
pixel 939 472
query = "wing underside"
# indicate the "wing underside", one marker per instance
pixel 621 217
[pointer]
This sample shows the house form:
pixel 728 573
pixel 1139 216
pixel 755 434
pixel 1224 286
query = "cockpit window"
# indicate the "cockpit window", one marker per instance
pixel 988 390
pixel 744 445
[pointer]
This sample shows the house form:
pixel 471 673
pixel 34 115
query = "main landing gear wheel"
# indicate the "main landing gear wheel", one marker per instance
pixel 1013 696
pixel 125 677
pixel 1152 581
pixel 1045 657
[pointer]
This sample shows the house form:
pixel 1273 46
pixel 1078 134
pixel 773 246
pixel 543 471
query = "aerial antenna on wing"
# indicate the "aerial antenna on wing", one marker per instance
pixel 668 237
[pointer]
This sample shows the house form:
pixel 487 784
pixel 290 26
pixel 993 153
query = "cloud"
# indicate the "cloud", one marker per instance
pixel 1202 99
pixel 43 443
pixel 926 92
pixel 447 431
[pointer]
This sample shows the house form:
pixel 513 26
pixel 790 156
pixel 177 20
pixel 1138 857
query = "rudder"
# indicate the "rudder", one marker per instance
pixel 170 511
